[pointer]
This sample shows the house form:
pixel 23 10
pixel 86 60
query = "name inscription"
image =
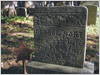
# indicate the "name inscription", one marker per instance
pixel 75 34
pixel 65 41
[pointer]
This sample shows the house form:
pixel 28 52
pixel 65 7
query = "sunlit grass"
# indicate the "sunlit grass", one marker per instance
pixel 93 29
pixel 16 18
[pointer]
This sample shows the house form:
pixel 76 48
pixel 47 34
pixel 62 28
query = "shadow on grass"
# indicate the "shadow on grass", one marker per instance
pixel 7 52
pixel 12 70
pixel 22 25
pixel 96 72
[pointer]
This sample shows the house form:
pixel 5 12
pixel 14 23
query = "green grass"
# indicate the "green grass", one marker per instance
pixel 15 18
pixel 98 9
pixel 93 29
pixel 20 25
pixel 93 44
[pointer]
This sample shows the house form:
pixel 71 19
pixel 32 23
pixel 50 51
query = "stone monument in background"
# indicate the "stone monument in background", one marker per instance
pixel 60 41
pixel 21 11
pixel 92 10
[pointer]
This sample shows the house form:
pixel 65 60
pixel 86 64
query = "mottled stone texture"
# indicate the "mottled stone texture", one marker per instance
pixel 59 35
pixel 92 14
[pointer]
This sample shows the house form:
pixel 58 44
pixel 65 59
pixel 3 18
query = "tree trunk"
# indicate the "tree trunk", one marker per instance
pixel 8 8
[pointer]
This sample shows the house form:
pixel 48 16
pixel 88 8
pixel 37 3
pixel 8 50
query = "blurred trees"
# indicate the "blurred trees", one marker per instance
pixel 8 8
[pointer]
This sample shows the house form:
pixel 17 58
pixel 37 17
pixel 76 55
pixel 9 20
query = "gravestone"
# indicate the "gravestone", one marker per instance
pixel 21 11
pixel 92 11
pixel 60 39
pixel 59 35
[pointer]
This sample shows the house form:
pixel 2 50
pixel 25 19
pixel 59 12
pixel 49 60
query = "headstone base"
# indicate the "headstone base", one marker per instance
pixel 45 68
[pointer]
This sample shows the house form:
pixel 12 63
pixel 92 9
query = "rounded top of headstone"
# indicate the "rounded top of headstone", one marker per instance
pixel 60 9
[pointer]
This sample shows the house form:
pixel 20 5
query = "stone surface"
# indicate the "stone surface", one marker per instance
pixel 92 14
pixel 60 35
pixel 21 11
pixel 92 11
pixel 95 3
pixel 44 68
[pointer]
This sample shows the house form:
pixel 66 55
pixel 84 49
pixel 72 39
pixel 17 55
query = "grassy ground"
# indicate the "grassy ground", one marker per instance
pixel 92 49
pixel 17 29
pixel 13 31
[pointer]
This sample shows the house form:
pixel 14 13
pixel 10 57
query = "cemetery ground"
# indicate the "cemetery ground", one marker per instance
pixel 17 29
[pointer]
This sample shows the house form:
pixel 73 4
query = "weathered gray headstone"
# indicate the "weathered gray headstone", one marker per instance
pixel 59 38
pixel 92 11
pixel 59 35
pixel 21 11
